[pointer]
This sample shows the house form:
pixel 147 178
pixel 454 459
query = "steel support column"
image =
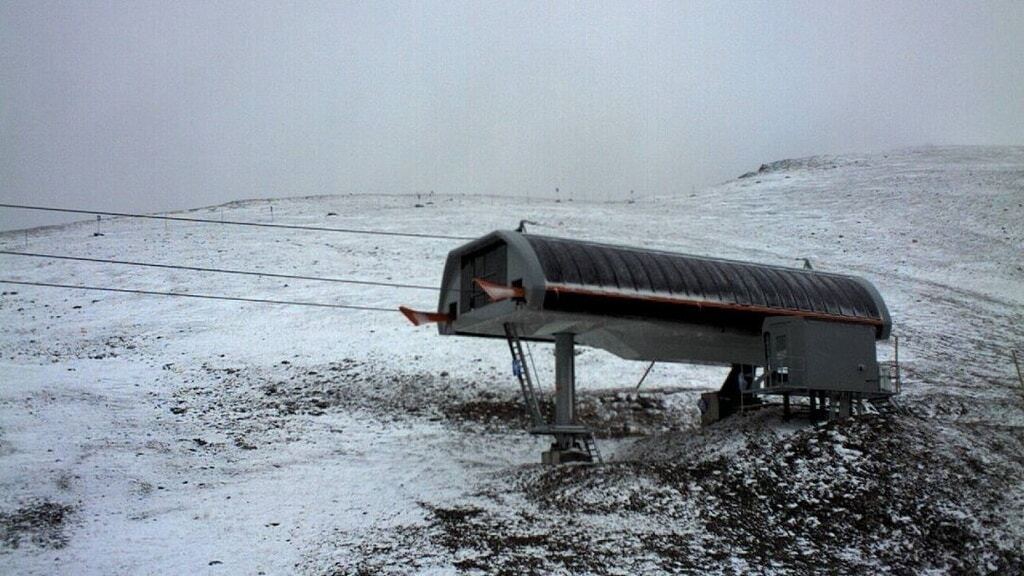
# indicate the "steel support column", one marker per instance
pixel 565 386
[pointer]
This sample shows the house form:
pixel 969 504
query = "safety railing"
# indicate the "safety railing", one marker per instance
pixel 889 379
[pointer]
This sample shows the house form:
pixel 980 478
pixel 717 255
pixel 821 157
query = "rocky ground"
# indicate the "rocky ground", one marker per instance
pixel 875 494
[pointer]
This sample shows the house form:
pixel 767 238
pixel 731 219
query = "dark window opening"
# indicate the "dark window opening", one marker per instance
pixel 489 264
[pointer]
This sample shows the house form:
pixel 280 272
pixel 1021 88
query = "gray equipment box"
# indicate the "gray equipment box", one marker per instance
pixel 708 408
pixel 804 354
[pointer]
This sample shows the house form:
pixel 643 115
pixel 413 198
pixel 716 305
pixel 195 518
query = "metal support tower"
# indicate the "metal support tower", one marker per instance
pixel 573 442
pixel 565 388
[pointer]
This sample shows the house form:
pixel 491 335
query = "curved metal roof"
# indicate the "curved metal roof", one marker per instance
pixel 580 267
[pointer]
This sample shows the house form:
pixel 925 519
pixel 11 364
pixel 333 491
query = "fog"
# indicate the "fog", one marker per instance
pixel 153 106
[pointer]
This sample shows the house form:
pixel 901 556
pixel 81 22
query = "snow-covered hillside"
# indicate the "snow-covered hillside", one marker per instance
pixel 143 434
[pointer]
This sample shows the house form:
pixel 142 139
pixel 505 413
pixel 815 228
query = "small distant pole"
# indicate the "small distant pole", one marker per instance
pixel 26 238
pixel 1017 365
pixel 896 360
pixel 98 232
pixel 271 212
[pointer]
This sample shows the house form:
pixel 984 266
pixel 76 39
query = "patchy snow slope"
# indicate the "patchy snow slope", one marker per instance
pixel 159 435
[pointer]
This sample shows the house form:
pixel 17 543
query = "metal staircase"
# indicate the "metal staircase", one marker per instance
pixel 591 445
pixel 521 369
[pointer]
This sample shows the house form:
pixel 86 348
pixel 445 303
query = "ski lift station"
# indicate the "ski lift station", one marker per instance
pixel 783 331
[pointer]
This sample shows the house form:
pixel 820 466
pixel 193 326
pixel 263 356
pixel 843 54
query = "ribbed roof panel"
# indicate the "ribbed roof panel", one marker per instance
pixel 625 269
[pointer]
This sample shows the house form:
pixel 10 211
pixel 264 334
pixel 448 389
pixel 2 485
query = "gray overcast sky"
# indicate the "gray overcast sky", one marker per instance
pixel 168 105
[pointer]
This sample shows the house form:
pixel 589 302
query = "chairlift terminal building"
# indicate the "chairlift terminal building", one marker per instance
pixel 809 332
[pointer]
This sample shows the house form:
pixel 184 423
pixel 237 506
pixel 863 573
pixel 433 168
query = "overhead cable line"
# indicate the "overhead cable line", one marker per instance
pixel 222 270
pixel 238 222
pixel 202 296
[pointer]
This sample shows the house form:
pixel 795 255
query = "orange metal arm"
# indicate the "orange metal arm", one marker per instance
pixel 419 318
pixel 499 292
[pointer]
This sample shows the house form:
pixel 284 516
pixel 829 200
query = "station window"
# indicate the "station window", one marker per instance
pixel 489 264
